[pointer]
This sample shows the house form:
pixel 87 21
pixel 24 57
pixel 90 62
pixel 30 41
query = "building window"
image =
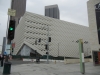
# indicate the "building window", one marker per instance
pixel 30 21
pixel 26 37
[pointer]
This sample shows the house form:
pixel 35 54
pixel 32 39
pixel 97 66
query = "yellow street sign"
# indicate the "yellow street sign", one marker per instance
pixel 11 12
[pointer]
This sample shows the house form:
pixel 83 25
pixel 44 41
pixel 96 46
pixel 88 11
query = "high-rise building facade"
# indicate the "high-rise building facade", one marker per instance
pixel 93 7
pixel 20 7
pixel 52 11
pixel 4 45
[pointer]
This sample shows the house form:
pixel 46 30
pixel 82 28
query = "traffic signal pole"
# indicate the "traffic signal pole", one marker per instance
pixel 48 47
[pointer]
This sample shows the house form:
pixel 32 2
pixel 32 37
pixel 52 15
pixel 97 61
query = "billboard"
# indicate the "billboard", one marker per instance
pixel 97 11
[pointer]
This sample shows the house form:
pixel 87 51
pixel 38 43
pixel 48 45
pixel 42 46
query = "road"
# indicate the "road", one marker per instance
pixel 18 62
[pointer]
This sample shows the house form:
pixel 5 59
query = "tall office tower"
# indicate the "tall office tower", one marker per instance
pixel 4 44
pixel 20 7
pixel 93 7
pixel 52 11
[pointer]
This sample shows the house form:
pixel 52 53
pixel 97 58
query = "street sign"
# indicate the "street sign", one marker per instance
pixel 11 12
pixel 13 45
pixel 5 53
pixel 8 48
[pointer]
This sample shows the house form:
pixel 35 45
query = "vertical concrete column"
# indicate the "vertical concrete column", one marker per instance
pixel 81 51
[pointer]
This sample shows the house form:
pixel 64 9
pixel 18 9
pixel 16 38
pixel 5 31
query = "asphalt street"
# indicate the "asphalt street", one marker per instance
pixel 31 68
pixel 20 67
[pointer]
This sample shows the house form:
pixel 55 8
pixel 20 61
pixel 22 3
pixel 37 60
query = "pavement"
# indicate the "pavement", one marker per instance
pixel 52 69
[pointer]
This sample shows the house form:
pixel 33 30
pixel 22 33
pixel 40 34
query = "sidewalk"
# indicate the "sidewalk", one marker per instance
pixel 52 69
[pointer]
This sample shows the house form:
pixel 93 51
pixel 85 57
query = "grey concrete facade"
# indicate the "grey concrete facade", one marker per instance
pixel 94 40
pixel 52 11
pixel 64 36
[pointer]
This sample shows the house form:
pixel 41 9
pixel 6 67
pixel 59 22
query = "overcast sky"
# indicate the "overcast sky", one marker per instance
pixel 70 10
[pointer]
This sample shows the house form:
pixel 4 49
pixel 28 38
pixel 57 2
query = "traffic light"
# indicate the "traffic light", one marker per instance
pixel 39 40
pixel 12 50
pixel 49 39
pixel 11 29
pixel 46 46
pixel 47 52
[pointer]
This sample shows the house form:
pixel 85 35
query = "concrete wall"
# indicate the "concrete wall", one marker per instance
pixel 70 61
pixel 64 35
pixel 92 24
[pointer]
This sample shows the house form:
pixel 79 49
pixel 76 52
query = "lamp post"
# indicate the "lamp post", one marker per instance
pixel 81 53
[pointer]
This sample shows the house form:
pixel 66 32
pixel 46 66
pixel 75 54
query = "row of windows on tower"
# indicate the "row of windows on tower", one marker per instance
pixel 35 38
pixel 39 18
pixel 37 33
pixel 42 28
pixel 44 50
pixel 37 23
pixel 38 44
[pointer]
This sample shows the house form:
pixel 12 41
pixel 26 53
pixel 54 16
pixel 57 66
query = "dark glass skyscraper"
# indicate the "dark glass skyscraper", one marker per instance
pixel 52 11
pixel 20 7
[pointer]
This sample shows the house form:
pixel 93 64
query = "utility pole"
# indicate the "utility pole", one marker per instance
pixel 48 46
pixel 81 51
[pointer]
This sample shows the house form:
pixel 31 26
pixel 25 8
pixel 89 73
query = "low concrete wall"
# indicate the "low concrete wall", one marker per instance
pixel 65 61
pixel 69 61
